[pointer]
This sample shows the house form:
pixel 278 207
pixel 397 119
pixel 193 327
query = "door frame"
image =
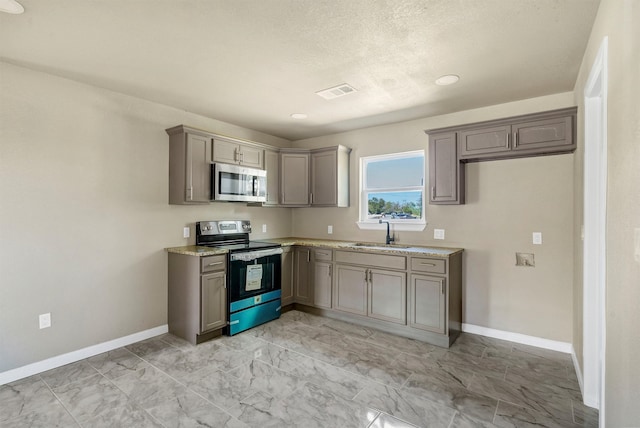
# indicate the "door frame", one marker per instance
pixel 595 217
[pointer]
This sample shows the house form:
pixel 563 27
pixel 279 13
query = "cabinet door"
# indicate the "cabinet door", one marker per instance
pixel 302 276
pixel 287 276
pixel 251 156
pixel 427 308
pixel 198 169
pixel 543 136
pixel 324 178
pixel 213 300
pixel 446 175
pixel 294 178
pixel 484 142
pixel 322 273
pixel 272 166
pixel 388 295
pixel 225 151
pixel 351 289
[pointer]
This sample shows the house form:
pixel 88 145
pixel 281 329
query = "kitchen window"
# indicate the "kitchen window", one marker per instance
pixel 392 189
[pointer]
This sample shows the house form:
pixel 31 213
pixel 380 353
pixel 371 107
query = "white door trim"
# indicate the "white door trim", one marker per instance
pixel 595 212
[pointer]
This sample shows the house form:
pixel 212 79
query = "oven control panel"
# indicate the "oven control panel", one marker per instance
pixel 220 227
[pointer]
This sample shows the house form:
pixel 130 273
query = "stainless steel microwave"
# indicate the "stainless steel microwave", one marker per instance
pixel 238 183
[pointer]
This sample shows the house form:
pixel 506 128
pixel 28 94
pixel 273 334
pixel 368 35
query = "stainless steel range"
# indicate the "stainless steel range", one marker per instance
pixel 253 272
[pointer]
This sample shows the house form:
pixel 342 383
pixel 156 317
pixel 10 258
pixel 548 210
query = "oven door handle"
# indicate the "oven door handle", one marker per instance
pixel 252 255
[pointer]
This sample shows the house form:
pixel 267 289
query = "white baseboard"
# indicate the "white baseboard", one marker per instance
pixel 80 354
pixel 576 366
pixel 538 342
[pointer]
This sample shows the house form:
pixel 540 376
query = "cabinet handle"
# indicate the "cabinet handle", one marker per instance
pixel 330 270
pixel 308 256
pixel 508 141
pixel 433 193
pixel 442 287
pixel 366 272
pixel 427 264
pixel 310 198
pixel 215 263
pixel 235 155
pixel 190 194
pixel 515 140
pixel 241 156
pixel 370 276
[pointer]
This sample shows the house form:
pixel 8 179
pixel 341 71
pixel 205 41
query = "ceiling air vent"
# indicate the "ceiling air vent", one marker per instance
pixel 336 91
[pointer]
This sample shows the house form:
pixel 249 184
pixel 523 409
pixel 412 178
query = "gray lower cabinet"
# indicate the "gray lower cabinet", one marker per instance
pixel 416 297
pixel 197 308
pixel 351 287
pixel 322 278
pixel 189 166
pixel 428 310
pixel 387 298
pixel 303 290
pixel 287 276
pixel 213 305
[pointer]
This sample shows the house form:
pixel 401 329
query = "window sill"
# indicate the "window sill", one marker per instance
pixel 396 226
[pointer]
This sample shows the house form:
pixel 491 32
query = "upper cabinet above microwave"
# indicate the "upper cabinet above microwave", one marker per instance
pixel 227 150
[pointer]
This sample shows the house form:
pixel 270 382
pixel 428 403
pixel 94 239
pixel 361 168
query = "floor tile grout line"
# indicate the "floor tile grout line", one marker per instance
pixel 60 401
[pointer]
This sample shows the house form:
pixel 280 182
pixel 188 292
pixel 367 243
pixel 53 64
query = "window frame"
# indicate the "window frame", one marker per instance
pixel 363 209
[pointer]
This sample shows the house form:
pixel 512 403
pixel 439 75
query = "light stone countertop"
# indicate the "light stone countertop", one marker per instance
pixel 365 247
pixel 370 247
pixel 195 250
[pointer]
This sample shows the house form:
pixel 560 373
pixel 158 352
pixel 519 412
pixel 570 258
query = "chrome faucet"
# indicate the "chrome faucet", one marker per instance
pixel 389 238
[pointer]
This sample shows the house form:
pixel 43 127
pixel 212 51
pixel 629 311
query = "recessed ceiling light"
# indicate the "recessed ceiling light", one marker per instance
pixel 11 6
pixel 299 116
pixel 447 79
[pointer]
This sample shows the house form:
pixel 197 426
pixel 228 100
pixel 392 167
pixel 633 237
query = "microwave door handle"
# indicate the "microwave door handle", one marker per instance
pixel 256 186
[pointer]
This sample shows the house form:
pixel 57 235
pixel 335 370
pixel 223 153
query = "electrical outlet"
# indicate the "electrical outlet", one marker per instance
pixel 438 233
pixel 330 229
pixel 264 228
pixel 45 320
pixel 186 232
pixel 537 238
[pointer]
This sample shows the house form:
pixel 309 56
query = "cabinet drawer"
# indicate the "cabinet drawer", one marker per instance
pixel 368 259
pixel 323 255
pixel 213 263
pixel 428 265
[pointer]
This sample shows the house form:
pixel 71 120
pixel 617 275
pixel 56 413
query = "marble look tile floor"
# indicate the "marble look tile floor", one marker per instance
pixel 305 371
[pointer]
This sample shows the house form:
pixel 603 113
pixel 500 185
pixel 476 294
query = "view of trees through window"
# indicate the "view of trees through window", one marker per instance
pixel 399 205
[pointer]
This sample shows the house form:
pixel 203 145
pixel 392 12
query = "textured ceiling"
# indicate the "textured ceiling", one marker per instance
pixel 255 62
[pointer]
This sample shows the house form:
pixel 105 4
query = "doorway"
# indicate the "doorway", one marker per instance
pixel 595 213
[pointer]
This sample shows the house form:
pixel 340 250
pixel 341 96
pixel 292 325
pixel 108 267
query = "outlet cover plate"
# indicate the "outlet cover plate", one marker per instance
pixel 186 232
pixel 45 320
pixel 264 228
pixel 537 238
pixel 438 233
pixel 330 229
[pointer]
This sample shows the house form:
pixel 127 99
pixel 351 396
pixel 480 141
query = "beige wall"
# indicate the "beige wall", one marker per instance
pixel 506 201
pixel 620 21
pixel 84 215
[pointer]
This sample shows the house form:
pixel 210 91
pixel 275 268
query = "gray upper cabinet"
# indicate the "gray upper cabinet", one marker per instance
pixel 294 177
pixel 227 150
pixel 272 166
pixel 446 175
pixel 480 142
pixel 330 177
pixel 530 135
pixel 189 166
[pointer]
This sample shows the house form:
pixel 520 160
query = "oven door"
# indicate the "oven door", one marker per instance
pixel 236 183
pixel 254 272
